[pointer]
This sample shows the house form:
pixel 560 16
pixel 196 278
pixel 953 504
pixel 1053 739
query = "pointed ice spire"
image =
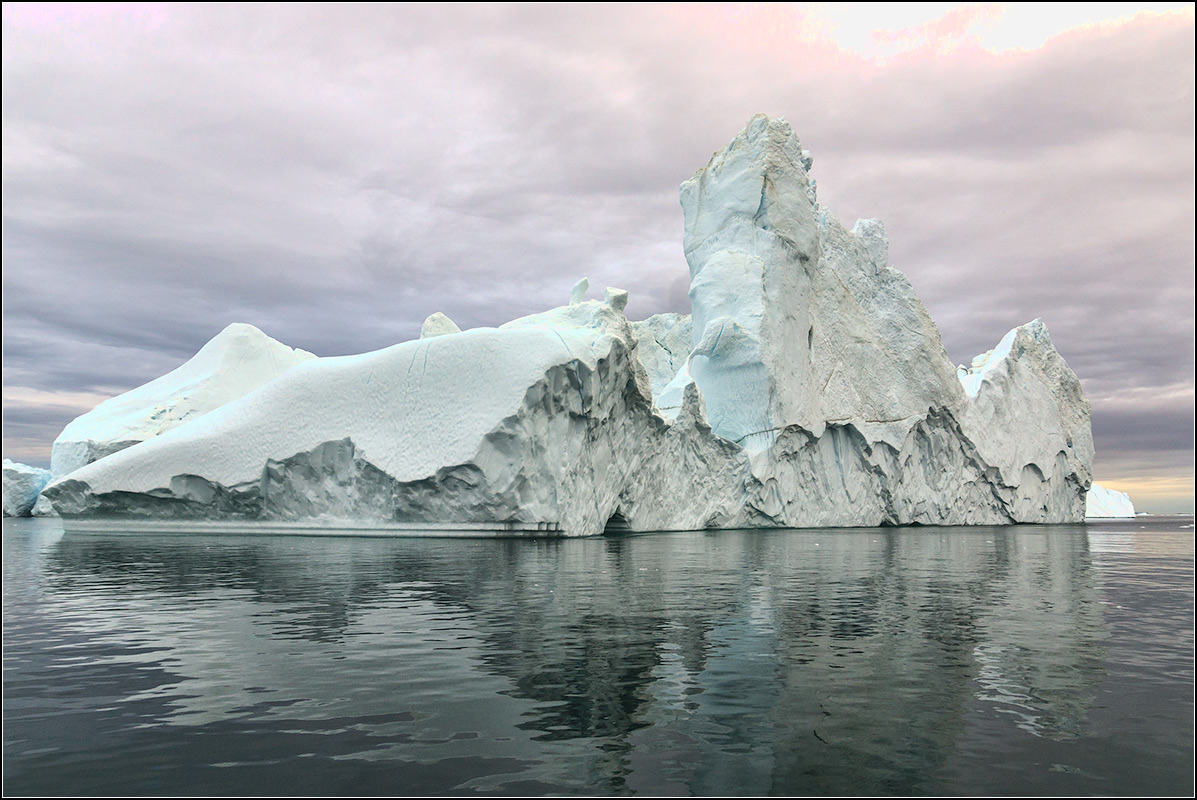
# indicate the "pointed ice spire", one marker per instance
pixel 577 294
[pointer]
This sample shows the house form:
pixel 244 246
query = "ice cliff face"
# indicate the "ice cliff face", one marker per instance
pixel 1103 503
pixel 1028 417
pixel 808 388
pixel 664 347
pixel 235 362
pixel 22 483
pixel 816 356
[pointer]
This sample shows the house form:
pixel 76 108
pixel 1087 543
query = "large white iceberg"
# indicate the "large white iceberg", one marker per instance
pixel 1103 503
pixel 22 483
pixel 808 388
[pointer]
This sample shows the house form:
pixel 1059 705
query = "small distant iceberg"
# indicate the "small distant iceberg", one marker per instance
pixel 22 484
pixel 1103 503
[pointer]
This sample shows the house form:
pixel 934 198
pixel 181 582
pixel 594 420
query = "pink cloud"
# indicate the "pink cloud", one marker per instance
pixel 58 16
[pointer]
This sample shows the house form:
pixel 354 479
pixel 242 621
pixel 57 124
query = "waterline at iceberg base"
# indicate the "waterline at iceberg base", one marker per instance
pixel 808 388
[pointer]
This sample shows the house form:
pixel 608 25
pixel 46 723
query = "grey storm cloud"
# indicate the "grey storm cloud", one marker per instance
pixel 335 174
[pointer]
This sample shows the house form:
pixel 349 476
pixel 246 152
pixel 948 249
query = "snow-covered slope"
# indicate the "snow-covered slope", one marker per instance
pixel 544 424
pixel 21 486
pixel 235 362
pixel 813 390
pixel 1108 503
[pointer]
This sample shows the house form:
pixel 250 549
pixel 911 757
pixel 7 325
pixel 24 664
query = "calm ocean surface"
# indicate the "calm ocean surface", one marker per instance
pixel 1020 660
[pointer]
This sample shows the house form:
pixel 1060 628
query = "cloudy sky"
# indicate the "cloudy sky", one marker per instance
pixel 334 174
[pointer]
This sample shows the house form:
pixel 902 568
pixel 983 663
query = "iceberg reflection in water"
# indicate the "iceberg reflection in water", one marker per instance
pixel 918 660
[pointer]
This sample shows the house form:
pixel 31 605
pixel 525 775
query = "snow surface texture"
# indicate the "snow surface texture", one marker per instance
pixel 21 486
pixel 808 388
pixel 235 362
pixel 1107 503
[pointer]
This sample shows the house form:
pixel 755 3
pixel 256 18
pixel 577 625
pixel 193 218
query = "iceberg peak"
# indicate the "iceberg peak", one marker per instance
pixel 236 361
pixel 578 293
pixel 438 324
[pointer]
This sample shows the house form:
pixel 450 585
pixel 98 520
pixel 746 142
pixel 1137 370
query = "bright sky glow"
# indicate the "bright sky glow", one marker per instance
pixel 882 31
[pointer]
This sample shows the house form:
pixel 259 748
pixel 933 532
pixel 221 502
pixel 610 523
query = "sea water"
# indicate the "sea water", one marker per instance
pixel 923 660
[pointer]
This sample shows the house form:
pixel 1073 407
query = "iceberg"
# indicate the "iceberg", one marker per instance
pixel 808 388
pixel 1103 503
pixel 22 484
